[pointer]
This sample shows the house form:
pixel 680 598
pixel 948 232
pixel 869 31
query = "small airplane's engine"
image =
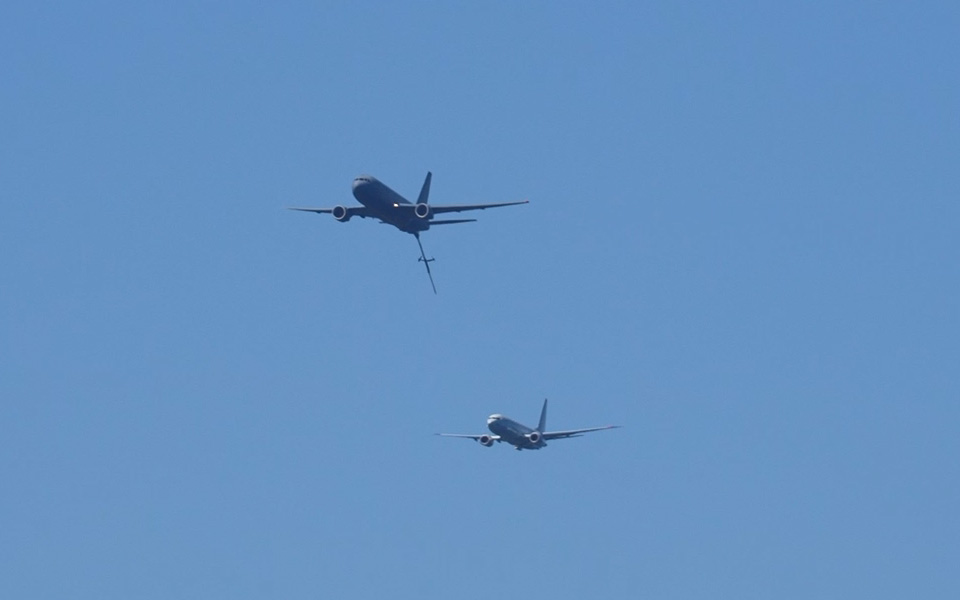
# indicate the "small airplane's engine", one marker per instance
pixel 534 437
pixel 341 214
pixel 422 210
pixel 485 440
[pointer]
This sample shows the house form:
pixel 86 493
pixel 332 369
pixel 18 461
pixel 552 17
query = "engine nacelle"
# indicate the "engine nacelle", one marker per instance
pixel 534 437
pixel 485 440
pixel 422 210
pixel 341 213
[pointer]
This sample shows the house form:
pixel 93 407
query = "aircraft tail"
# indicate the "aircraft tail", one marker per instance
pixel 542 426
pixel 425 190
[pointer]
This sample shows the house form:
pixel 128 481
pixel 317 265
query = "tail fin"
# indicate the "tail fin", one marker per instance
pixel 425 190
pixel 543 418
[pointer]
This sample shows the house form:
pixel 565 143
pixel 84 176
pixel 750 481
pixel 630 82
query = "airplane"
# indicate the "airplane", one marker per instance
pixel 521 436
pixel 380 202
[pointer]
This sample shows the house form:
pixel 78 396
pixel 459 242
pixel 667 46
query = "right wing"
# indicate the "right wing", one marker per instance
pixel 447 208
pixel 557 435
pixel 495 438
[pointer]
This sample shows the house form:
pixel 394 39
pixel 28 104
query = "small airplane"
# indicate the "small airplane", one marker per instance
pixel 380 202
pixel 521 436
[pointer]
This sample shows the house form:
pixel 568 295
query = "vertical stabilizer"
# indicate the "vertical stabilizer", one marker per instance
pixel 543 418
pixel 425 190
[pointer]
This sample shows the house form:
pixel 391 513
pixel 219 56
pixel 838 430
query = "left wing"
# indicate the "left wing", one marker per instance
pixel 319 211
pixel 495 438
pixel 437 210
pixel 350 211
pixel 558 435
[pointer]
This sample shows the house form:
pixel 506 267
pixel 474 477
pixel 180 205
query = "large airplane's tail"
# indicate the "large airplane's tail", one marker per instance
pixel 543 418
pixel 425 190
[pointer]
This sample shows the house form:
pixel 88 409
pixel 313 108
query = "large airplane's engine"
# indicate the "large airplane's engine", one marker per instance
pixel 534 437
pixel 485 440
pixel 422 210
pixel 341 214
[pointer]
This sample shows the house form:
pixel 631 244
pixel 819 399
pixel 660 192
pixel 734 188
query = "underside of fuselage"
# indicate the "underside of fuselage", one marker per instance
pixel 513 433
pixel 387 205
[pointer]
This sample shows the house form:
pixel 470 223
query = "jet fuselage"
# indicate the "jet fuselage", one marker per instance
pixel 515 434
pixel 383 202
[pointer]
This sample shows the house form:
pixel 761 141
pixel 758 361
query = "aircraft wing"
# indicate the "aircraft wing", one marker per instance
pixel 447 208
pixel 352 211
pixel 558 435
pixel 495 438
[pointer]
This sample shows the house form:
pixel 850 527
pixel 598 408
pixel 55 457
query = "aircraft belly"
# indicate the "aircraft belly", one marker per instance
pixel 382 205
pixel 370 199
pixel 512 433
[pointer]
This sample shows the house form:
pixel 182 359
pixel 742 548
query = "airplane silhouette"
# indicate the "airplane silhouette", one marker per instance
pixel 380 202
pixel 521 436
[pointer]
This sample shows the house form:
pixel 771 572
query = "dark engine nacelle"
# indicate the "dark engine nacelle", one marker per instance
pixel 485 440
pixel 422 211
pixel 341 213
pixel 534 437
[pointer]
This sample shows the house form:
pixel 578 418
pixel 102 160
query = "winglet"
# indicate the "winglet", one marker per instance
pixel 543 418
pixel 425 190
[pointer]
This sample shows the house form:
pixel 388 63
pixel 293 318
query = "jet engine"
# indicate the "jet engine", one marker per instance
pixel 534 437
pixel 422 210
pixel 485 440
pixel 341 214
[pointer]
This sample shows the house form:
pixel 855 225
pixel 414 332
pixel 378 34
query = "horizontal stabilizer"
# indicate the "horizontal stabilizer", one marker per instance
pixel 451 221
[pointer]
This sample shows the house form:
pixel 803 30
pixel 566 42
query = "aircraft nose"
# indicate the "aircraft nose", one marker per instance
pixel 359 187
pixel 361 181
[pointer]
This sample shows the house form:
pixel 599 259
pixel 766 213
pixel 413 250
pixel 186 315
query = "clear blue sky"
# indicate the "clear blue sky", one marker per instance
pixel 741 245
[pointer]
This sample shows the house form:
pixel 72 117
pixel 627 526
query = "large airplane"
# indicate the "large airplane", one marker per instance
pixel 380 202
pixel 520 436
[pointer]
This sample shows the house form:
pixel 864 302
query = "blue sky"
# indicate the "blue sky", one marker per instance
pixel 741 245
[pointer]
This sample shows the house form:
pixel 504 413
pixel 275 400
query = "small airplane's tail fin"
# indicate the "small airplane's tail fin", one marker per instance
pixel 426 261
pixel 425 190
pixel 543 418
